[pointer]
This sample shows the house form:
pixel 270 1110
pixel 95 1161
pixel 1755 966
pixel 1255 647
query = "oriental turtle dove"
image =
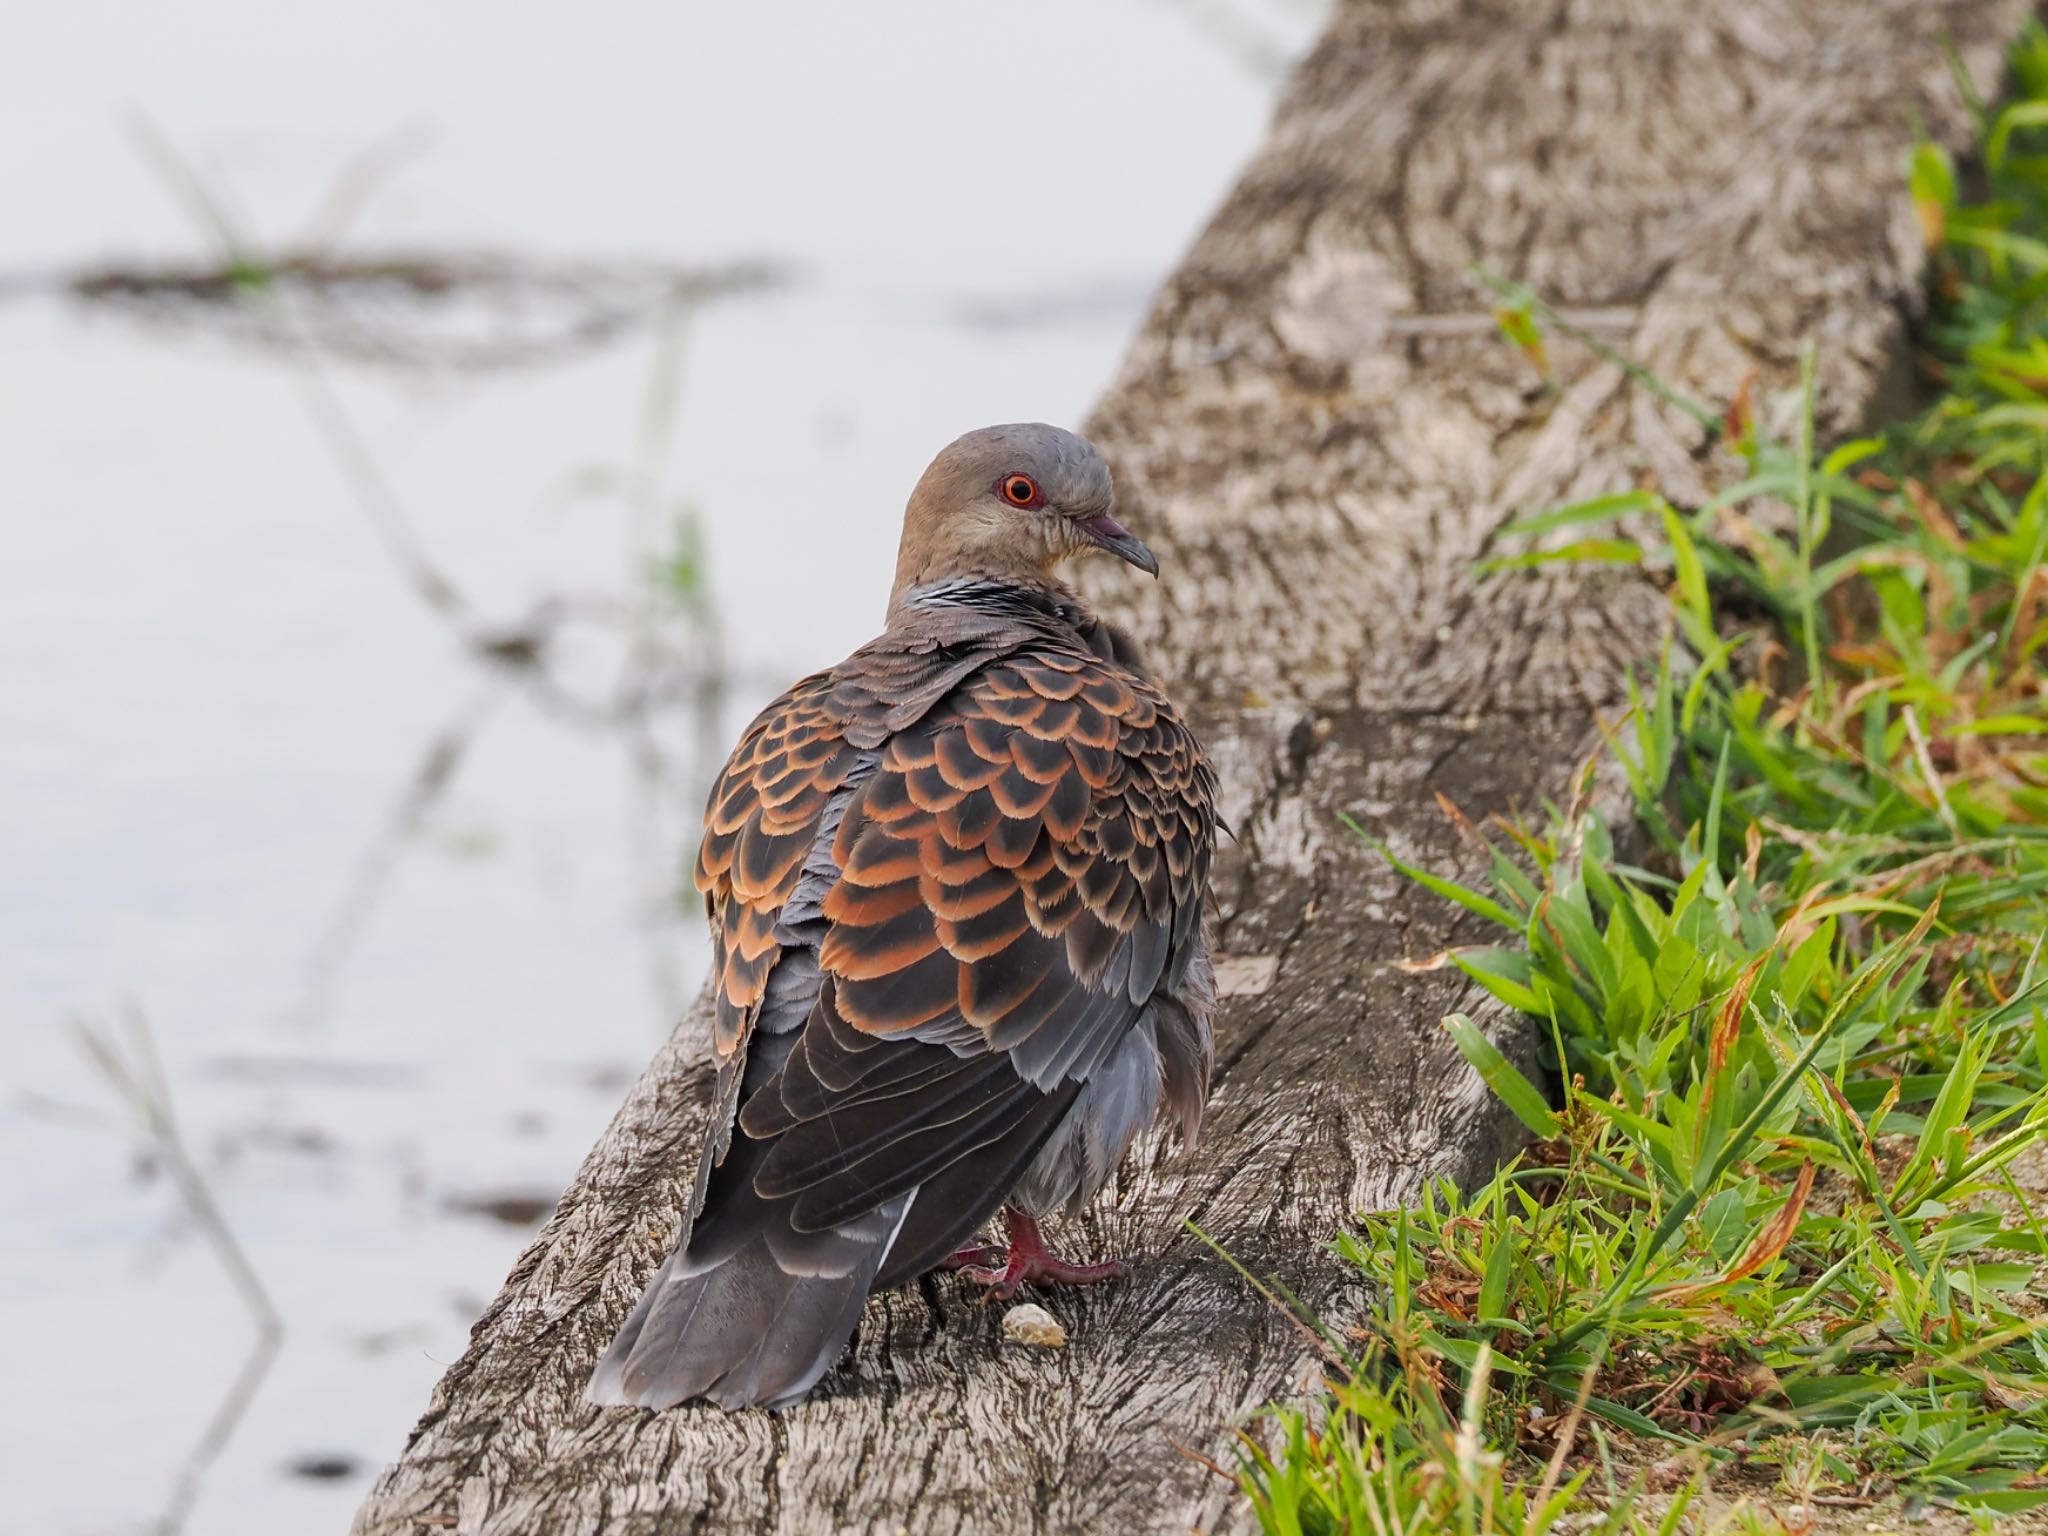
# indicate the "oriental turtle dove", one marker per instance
pixel 955 886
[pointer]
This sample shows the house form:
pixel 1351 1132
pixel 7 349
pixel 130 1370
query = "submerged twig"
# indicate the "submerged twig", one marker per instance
pixel 461 309
pixel 424 787
pixel 1247 42
pixel 663 615
pixel 131 1069
pixel 468 310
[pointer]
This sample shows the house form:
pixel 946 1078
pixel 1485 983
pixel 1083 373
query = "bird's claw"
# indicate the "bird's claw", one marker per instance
pixel 1040 1269
pixel 971 1257
pixel 1027 1261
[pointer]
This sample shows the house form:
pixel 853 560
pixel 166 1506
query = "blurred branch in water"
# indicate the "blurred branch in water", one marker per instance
pixel 464 310
pixel 203 204
pixel 671 654
pixel 671 660
pixel 127 1062
pixel 422 791
pixel 665 623
pixel 360 180
pixel 467 310
pixel 380 502
pixel 675 584
pixel 1249 43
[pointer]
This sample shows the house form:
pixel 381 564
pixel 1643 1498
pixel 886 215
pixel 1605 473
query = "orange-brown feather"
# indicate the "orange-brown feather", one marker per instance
pixel 1053 797
pixel 1008 847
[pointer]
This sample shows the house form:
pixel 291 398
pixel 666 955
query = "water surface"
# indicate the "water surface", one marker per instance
pixel 217 690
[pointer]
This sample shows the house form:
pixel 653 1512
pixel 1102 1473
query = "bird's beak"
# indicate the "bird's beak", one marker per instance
pixel 1105 532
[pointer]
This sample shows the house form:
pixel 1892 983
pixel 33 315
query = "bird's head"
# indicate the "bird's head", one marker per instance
pixel 1011 503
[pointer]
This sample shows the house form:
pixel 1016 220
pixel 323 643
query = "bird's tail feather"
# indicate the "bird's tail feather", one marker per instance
pixel 753 1324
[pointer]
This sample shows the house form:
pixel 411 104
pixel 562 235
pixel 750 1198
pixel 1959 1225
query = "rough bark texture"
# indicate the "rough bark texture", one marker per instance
pixel 1319 431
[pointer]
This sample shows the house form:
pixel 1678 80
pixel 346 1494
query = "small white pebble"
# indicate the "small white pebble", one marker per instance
pixel 1032 1324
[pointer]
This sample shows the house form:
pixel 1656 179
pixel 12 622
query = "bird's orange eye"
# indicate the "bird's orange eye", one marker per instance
pixel 1021 491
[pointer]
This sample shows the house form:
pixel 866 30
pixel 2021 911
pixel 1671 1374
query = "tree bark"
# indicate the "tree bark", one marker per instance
pixel 1320 431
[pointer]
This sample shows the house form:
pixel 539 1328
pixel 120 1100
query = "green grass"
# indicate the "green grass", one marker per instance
pixel 1770 1238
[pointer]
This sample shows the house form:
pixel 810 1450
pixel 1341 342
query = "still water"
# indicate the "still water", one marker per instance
pixel 398 922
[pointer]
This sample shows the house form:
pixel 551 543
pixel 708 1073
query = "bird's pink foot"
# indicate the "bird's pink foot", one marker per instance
pixel 1030 1262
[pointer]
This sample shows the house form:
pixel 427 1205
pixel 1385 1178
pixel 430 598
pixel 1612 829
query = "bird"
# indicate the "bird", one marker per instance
pixel 956 891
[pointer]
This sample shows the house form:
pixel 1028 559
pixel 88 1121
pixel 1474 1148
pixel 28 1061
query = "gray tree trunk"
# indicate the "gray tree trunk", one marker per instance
pixel 1319 431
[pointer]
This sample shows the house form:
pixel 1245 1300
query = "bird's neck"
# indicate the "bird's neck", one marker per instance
pixel 1024 591
pixel 1042 606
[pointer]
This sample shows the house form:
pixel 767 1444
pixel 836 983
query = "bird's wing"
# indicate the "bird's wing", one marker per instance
pixel 1017 874
pixel 762 820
